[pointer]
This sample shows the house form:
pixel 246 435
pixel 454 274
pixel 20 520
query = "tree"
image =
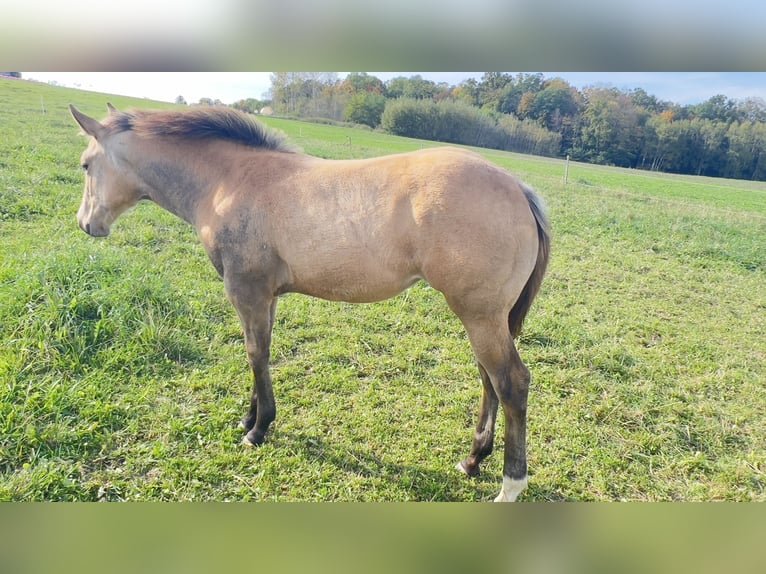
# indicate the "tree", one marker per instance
pixel 415 87
pixel 491 88
pixel 746 154
pixel 365 108
pixel 718 108
pixel 712 160
pixel 467 91
pixel 612 128
pixel 552 103
pixel 308 94
pixel 285 92
pixel 409 117
pixel 515 91
pixel 249 105
pixel 752 110
pixel 503 92
pixel 527 136
pixel 642 99
pixel 526 107
pixel 363 82
pixel 180 100
pixel 661 142
pixel 509 99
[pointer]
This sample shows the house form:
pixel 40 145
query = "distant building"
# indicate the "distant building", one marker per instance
pixel 267 111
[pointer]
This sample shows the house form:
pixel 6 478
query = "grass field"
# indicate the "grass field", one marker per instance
pixel 123 373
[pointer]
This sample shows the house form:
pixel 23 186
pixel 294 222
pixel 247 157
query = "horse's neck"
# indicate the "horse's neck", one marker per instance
pixel 177 185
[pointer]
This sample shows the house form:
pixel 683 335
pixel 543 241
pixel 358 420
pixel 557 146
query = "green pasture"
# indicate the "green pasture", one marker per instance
pixel 123 373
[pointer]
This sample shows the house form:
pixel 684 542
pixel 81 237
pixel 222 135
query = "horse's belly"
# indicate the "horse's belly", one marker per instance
pixel 353 285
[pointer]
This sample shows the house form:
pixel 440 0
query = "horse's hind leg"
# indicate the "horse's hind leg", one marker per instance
pixel 509 377
pixel 513 392
pixel 484 435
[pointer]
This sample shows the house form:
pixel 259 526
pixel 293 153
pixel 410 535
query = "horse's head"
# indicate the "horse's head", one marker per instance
pixel 110 189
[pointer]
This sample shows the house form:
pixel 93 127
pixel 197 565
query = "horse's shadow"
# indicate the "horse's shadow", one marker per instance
pixel 422 482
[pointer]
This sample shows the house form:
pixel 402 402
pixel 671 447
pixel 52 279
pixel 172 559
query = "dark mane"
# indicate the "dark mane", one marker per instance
pixel 201 123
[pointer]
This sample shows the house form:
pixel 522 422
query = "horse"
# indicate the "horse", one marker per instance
pixel 274 220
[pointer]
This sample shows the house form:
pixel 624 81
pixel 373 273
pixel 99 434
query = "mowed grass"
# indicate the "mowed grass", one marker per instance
pixel 123 373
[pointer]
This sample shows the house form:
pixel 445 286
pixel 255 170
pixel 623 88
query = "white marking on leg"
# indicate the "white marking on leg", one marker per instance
pixel 461 468
pixel 511 489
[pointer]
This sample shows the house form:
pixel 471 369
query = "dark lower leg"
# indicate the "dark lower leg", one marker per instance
pixel 262 411
pixel 484 435
pixel 515 457
pixel 515 411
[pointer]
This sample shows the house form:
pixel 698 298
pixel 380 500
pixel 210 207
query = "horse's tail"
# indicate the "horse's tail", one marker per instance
pixel 524 302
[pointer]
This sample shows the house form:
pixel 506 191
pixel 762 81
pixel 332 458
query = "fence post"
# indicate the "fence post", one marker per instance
pixel 566 171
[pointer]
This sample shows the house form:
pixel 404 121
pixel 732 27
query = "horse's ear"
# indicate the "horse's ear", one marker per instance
pixel 89 125
pixel 111 108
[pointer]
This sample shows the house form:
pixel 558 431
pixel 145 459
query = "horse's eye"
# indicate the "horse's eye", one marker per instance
pixel 85 167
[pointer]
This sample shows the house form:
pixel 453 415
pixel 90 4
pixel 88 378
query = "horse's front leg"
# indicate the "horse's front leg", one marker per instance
pixel 256 312
pixel 263 408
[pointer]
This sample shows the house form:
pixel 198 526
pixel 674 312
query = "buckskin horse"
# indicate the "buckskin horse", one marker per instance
pixel 274 220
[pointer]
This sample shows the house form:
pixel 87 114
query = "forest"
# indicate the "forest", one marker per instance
pixel 530 113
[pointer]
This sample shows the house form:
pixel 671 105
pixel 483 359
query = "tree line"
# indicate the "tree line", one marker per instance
pixel 530 113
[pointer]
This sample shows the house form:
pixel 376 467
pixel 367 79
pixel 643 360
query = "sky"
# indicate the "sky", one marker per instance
pixel 678 87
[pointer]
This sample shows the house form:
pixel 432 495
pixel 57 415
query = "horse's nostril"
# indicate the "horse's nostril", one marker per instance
pixel 87 228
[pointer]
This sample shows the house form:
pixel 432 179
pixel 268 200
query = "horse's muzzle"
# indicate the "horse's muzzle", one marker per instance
pixel 93 231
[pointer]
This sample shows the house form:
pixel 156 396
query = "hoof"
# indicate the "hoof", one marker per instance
pixel 253 439
pixel 465 469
